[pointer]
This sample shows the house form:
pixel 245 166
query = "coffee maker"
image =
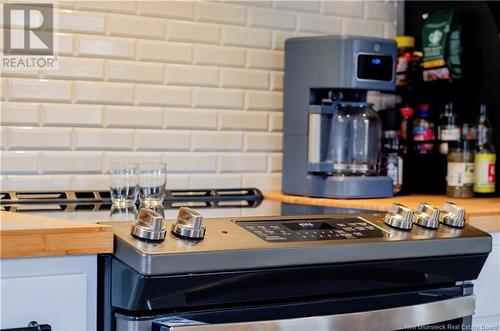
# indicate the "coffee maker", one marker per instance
pixel 331 135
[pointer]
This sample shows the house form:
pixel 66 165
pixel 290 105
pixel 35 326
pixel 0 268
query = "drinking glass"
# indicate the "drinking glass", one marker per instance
pixel 152 180
pixel 123 179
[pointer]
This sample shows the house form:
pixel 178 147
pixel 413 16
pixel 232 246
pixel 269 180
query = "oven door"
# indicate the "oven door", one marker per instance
pixel 447 313
pixel 443 309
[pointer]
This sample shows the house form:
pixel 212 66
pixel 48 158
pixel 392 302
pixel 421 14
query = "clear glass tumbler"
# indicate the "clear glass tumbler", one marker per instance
pixel 124 179
pixel 152 181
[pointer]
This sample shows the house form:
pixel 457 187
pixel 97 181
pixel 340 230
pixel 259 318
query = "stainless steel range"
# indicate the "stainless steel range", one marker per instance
pixel 314 269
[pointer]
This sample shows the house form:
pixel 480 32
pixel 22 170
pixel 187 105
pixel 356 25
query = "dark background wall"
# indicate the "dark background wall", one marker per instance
pixel 481 43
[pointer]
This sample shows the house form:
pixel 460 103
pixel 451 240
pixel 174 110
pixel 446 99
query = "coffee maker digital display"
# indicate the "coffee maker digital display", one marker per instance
pixel 331 134
pixel 375 67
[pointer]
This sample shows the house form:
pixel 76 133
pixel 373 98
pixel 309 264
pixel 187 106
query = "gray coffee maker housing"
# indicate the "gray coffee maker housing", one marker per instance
pixel 340 69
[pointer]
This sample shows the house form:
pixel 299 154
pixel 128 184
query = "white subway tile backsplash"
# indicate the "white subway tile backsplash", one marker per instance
pixel 279 38
pixel 133 117
pixel 224 56
pixel 127 157
pixel 103 139
pixel 161 51
pixel 129 71
pixel 193 32
pixel 258 100
pixel 244 78
pixel 29 138
pixel 381 10
pixel 3 89
pixel 189 162
pixel 258 59
pixel 104 46
pixel 390 31
pixel 364 28
pixel 65 43
pixel 179 118
pixel 39 90
pixel 275 162
pixel 245 37
pixel 243 120
pixel 265 182
pixel 344 8
pixel 266 18
pixel 19 163
pixel 263 142
pixel 15 72
pixel 30 183
pixel 70 162
pixel 277 81
pixel 276 121
pixel 308 6
pixel 248 162
pixel 127 7
pixel 217 98
pixel 77 68
pixel 177 181
pixel 318 23
pixel 172 9
pixel 191 75
pixel 253 3
pixel 19 113
pixel 196 84
pixel 134 26
pixel 162 95
pixel 114 93
pixel 4 138
pixel 220 13
pixel 203 181
pixel 216 141
pixel 71 115
pixel 161 140
pixel 74 21
pixel 82 182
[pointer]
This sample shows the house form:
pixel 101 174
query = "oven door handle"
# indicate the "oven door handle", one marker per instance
pixel 374 320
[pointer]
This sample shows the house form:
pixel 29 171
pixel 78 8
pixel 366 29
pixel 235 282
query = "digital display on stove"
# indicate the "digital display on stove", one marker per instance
pixel 313 229
pixel 308 226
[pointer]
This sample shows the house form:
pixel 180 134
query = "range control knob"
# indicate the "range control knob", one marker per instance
pixel 399 217
pixel 189 224
pixel 426 215
pixel 453 215
pixel 149 225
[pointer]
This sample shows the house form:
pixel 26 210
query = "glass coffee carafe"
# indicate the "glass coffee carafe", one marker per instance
pixel 346 141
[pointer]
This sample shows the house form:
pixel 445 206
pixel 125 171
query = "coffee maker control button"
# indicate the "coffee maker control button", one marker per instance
pixel 399 217
pixel 427 216
pixel 453 215
pixel 189 224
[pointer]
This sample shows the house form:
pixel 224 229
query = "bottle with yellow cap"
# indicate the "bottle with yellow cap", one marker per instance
pixel 485 159
pixel 408 60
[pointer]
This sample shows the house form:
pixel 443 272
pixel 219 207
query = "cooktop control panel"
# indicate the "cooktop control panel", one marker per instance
pixel 313 229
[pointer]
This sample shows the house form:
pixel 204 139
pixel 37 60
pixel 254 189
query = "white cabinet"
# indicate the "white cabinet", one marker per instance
pixel 60 291
pixel 487 290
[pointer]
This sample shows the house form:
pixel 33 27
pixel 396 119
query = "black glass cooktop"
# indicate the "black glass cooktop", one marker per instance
pixel 96 206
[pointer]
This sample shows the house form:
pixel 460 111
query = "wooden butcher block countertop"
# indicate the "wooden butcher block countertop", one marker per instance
pixel 24 235
pixel 483 212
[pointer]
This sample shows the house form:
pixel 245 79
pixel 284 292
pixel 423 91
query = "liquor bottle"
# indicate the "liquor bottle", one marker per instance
pixel 393 149
pixel 461 169
pixel 423 131
pixel 485 159
pixel 448 128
